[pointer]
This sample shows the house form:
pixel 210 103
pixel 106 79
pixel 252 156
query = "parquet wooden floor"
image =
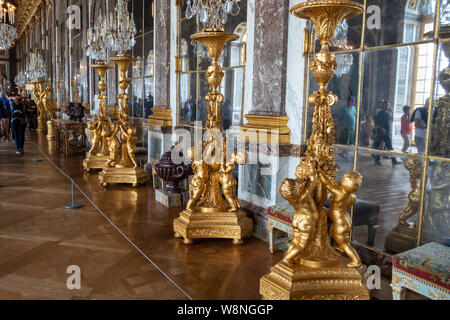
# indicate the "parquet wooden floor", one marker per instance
pixel 122 239
pixel 39 239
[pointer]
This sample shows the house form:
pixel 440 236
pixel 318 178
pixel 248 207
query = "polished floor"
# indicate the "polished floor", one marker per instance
pixel 121 239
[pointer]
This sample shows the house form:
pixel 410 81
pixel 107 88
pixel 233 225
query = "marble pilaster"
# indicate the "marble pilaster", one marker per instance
pixel 162 53
pixel 160 122
pixel 270 57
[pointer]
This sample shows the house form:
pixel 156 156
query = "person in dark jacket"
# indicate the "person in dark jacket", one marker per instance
pixel 5 114
pixel 18 123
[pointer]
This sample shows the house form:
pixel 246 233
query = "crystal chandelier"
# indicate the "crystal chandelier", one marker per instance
pixel 96 39
pixel 212 14
pixel 20 79
pixel 8 33
pixel 340 41
pixel 36 68
pixel 345 62
pixel 120 29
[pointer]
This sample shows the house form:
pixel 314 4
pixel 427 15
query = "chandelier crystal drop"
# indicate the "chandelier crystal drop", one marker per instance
pixel 36 67
pixel 212 14
pixel 20 79
pixel 8 33
pixel 96 39
pixel 121 29
pixel 345 62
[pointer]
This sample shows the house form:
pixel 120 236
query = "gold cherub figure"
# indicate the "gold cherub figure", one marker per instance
pixel 227 179
pixel 113 146
pixel 46 102
pixel 343 197
pixel 93 126
pixel 199 181
pixel 131 143
pixel 414 166
pixel 300 194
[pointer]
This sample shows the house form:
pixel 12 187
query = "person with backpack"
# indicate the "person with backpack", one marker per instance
pixel 18 123
pixel 420 119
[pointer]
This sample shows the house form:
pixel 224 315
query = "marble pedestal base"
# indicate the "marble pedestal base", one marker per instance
pixel 50 129
pixel 303 283
pixel 95 162
pixel 42 125
pixel 201 225
pixel 133 176
pixel 171 200
pixel 400 239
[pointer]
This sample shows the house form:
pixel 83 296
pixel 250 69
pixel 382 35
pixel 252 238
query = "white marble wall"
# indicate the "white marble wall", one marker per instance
pixel 250 50
pixel 295 76
pixel 173 50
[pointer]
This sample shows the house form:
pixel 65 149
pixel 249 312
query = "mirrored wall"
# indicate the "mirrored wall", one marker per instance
pixel 392 121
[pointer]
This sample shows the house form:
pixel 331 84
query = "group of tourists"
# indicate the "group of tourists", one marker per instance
pixel 16 114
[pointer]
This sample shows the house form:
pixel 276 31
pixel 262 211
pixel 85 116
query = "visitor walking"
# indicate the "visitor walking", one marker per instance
pixel 383 132
pixel 18 124
pixel 5 114
pixel 420 118
pixel 406 128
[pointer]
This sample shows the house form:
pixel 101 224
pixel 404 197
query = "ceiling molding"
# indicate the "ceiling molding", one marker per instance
pixel 28 13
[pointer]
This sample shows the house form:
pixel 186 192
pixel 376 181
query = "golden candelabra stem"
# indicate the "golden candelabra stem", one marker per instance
pixel 122 167
pixel 214 42
pixel 100 126
pixel 310 255
pixel 37 94
pixel 207 214
pixel 123 62
pixel 102 68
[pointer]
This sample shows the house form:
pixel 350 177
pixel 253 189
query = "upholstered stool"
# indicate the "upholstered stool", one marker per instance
pixel 365 214
pixel 425 270
pixel 280 220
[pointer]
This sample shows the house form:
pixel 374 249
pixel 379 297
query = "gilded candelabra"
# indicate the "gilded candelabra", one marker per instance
pixel 49 110
pixel 311 268
pixel 38 89
pixel 121 166
pixel 100 126
pixel 404 237
pixel 440 127
pixel 208 214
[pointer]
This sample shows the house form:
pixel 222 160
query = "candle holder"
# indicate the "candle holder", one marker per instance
pixel 311 269
pixel 207 213
pixel 100 126
pixel 122 166
pixel 38 89
pixel 49 110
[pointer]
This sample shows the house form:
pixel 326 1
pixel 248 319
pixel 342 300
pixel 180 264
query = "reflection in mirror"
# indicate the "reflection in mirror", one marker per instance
pixel 440 134
pixel 385 196
pixel 188 52
pixel 444 19
pixel 398 21
pixel 187 95
pixel 395 98
pixel 436 217
pixel 148 96
pixel 345 85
